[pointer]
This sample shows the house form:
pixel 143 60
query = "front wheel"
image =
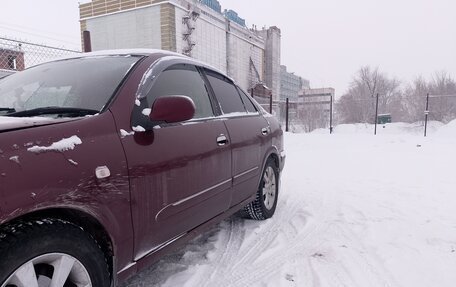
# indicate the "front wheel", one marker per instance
pixel 50 253
pixel 264 205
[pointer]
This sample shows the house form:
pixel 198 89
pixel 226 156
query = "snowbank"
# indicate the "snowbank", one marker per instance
pixel 389 129
pixel 448 130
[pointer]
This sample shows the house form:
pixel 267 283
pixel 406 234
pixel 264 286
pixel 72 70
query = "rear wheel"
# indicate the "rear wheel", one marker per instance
pixel 50 253
pixel 264 205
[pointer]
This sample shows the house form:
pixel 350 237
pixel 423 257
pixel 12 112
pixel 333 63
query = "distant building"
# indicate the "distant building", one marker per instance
pixel 291 84
pixel 12 60
pixel 317 97
pixel 194 28
pixel 314 107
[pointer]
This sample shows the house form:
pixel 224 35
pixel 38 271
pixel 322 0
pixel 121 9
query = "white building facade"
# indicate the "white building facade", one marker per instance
pixel 291 84
pixel 189 27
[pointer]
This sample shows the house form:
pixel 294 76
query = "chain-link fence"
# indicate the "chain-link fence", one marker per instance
pixel 18 55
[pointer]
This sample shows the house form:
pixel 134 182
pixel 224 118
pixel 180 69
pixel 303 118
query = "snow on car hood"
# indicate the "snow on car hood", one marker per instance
pixel 8 123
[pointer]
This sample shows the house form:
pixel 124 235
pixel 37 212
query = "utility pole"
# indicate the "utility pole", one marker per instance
pixel 426 113
pixel 286 116
pixel 331 115
pixel 270 104
pixel 376 115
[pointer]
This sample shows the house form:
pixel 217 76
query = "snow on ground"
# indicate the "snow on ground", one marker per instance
pixel 355 210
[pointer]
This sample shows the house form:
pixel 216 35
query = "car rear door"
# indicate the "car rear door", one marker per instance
pixel 248 132
pixel 180 174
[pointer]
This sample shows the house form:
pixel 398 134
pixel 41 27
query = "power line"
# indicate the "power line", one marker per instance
pixel 41 36
pixel 5 24
pixel 39 45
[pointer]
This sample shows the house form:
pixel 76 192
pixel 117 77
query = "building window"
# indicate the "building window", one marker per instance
pixel 12 62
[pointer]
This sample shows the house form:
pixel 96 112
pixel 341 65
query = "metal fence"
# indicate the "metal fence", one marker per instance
pixel 302 115
pixel 18 55
pixel 440 108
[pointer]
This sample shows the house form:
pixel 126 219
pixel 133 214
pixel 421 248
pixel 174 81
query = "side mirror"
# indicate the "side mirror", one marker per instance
pixel 172 109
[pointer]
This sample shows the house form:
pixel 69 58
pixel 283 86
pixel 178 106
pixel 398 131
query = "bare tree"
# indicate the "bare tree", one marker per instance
pixel 415 99
pixel 442 108
pixel 358 104
pixel 312 116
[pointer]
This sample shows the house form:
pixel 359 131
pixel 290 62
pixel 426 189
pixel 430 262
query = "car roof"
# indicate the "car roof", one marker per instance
pixel 143 52
pixel 119 52
pixel 168 55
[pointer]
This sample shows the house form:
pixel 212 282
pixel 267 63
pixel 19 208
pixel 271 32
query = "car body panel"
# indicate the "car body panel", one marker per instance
pixel 179 178
pixel 165 185
pixel 66 179
pixel 247 144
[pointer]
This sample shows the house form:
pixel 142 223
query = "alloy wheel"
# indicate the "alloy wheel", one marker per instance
pixel 269 187
pixel 53 270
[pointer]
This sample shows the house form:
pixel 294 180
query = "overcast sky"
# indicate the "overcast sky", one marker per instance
pixel 325 41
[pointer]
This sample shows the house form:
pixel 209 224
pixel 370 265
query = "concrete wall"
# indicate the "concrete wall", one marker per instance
pixel 272 67
pixel 209 37
pixel 241 51
pixel 140 28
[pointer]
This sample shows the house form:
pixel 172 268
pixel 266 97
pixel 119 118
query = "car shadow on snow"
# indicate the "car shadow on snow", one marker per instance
pixel 195 252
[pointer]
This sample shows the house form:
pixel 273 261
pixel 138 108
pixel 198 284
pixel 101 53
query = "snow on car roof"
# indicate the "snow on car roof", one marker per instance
pixel 167 55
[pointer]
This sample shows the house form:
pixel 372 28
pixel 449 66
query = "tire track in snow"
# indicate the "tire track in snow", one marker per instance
pixel 252 274
pixel 225 256
pixel 301 245
pixel 263 239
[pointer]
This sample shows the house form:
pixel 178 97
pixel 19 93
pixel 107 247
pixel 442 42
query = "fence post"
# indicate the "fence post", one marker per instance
pixel 376 115
pixel 286 116
pixel 331 115
pixel 87 41
pixel 270 104
pixel 426 113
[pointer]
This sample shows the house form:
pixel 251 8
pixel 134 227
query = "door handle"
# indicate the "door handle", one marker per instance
pixel 265 131
pixel 222 140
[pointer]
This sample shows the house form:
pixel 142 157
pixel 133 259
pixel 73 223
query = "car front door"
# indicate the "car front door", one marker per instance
pixel 180 174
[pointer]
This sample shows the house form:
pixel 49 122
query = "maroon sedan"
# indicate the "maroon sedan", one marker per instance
pixel 109 160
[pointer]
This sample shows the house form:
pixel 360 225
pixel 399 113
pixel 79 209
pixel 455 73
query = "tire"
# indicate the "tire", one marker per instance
pixel 39 251
pixel 265 203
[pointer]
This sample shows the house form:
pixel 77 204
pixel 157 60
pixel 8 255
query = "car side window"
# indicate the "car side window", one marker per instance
pixel 183 80
pixel 247 102
pixel 226 93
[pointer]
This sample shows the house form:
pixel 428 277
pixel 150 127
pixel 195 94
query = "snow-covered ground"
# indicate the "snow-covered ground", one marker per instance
pixel 355 210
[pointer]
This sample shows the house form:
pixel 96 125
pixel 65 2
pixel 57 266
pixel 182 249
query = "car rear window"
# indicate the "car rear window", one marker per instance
pixel 247 102
pixel 226 93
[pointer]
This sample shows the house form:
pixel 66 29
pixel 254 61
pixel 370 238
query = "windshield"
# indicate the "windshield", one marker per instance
pixel 83 83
